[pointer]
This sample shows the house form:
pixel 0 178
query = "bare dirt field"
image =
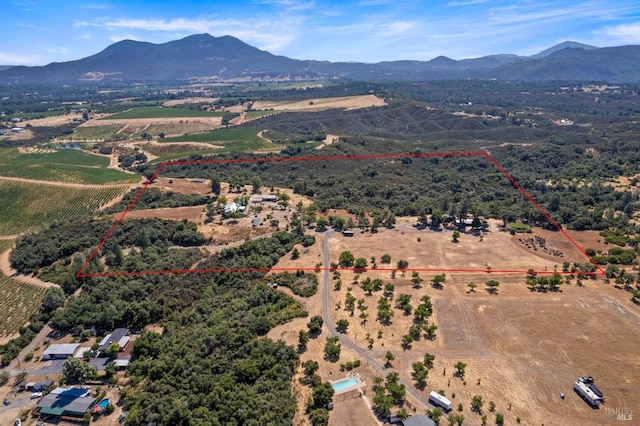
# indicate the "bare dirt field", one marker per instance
pixel 210 121
pixel 189 101
pixel 184 186
pixel 436 251
pixel 191 213
pixel 522 348
pixel 55 120
pixel 346 102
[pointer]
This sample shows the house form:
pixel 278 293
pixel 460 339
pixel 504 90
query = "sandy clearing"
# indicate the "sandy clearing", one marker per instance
pixel 184 186
pixel 346 102
pixel 55 120
pixel 624 183
pixel 191 213
pixel 13 136
pixel 328 141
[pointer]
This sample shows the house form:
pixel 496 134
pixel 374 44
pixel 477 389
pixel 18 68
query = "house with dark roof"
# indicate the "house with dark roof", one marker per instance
pixel 71 402
pixel 419 420
pixel 119 336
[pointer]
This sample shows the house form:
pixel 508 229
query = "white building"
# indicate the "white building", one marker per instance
pixel 60 351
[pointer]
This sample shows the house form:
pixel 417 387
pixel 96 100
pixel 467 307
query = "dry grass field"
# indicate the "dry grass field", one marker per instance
pixel 346 102
pixel 521 348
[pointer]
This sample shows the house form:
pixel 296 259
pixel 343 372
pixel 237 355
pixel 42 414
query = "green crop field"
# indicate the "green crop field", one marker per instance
pixel 161 112
pixel 5 244
pixel 234 139
pixel 18 301
pixel 29 207
pixel 65 165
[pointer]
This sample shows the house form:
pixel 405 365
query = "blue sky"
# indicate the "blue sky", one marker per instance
pixel 37 32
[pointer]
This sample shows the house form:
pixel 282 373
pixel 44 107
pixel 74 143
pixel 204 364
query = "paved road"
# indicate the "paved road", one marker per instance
pixel 364 353
pixel 37 341
pixel 48 370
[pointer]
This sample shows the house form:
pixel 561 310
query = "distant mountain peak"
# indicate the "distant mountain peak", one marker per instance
pixel 562 46
pixel 226 58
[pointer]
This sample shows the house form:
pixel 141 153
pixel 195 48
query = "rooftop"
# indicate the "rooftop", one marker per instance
pixel 115 337
pixel 61 349
pixel 419 420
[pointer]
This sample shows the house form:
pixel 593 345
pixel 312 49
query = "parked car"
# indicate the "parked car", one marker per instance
pixel 36 395
pixel 6 401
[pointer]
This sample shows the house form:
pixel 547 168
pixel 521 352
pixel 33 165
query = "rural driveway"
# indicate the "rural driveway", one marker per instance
pixel 49 370
pixel 29 348
pixel 364 353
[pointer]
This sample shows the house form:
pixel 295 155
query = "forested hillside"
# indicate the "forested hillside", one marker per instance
pixel 210 364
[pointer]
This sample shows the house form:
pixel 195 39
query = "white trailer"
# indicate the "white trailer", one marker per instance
pixel 440 401
pixel 586 393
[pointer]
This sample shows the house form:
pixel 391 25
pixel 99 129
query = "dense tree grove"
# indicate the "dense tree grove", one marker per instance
pixel 62 241
pixel 153 198
pixel 210 364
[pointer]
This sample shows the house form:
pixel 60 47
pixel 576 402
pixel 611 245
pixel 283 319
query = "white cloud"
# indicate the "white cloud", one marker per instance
pixel 375 2
pixel 178 24
pixel 289 4
pixel 58 50
pixel 465 3
pixel 96 6
pixel 399 27
pixel 118 38
pixel 627 33
pixel 13 59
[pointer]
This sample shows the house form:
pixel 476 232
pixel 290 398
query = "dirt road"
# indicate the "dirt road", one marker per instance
pixel 5 267
pixel 328 320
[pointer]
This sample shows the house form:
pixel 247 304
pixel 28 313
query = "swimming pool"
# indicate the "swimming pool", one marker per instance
pixel 344 384
pixel 103 404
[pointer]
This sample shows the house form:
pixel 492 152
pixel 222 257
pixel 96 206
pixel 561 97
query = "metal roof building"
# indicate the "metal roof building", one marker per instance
pixel 60 351
pixel 419 420
pixel 119 336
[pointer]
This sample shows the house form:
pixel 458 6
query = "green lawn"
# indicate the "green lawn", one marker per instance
pixel 29 206
pixel 162 112
pixel 65 165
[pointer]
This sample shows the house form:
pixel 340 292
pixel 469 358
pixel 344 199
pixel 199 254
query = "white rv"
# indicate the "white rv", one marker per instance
pixel 586 393
pixel 440 401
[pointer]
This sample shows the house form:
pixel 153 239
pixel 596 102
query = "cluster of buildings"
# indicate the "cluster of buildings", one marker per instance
pixel 119 336
pixel 73 403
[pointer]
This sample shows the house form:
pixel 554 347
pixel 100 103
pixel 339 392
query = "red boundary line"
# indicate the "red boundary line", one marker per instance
pixel 80 273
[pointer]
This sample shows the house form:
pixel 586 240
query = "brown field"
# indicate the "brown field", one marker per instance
pixel 435 250
pixel 175 102
pixel 524 347
pixel 55 120
pixel 191 213
pixel 346 102
pixel 210 121
pixel 184 186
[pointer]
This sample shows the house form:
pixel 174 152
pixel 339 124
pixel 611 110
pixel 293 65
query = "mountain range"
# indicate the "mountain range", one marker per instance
pixel 203 57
